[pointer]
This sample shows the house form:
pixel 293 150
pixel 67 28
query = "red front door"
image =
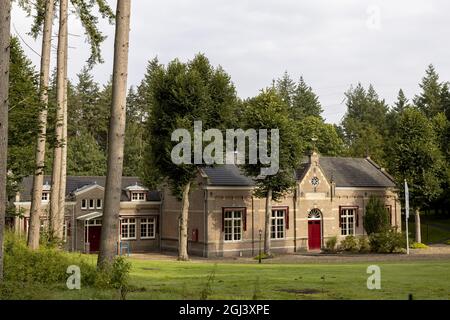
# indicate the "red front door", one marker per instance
pixel 94 238
pixel 314 242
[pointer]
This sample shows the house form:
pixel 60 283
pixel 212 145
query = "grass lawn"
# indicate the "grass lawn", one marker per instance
pixel 433 230
pixel 156 279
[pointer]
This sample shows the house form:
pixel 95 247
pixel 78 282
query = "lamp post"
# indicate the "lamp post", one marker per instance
pixel 259 256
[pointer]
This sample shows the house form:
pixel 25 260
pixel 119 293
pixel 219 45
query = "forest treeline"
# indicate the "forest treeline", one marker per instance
pixel 409 138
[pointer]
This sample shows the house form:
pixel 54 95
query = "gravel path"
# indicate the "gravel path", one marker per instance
pixel 434 252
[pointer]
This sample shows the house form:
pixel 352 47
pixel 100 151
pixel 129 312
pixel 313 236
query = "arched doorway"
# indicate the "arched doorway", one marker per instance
pixel 314 229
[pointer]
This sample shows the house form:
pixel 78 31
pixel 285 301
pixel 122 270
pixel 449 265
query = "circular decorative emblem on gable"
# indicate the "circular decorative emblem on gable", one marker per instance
pixel 315 181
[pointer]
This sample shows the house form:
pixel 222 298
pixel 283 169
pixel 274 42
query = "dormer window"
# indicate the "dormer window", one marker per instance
pixel 84 204
pixel 46 192
pixel 45 196
pixel 138 196
pixel 91 204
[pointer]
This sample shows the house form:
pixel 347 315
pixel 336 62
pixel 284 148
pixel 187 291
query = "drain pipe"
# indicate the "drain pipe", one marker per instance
pixel 295 219
pixel 73 234
pixel 253 227
pixel 205 224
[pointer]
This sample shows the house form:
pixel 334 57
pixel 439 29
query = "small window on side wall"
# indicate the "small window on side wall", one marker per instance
pixel 84 204
pixel 99 204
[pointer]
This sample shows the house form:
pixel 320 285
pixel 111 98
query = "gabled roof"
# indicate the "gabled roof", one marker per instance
pixel 77 183
pixel 345 172
pixel 355 172
pixel 136 187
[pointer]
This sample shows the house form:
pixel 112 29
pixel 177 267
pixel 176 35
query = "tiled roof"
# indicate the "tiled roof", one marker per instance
pixel 355 172
pixel 77 183
pixel 345 172
pixel 227 175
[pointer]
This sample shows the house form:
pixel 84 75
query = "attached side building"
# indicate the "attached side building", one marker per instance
pixel 139 213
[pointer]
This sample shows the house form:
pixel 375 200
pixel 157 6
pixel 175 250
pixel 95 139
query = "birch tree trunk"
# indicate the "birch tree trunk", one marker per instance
pixel 61 96
pixel 110 224
pixel 267 222
pixel 417 225
pixel 38 178
pixel 183 225
pixel 5 25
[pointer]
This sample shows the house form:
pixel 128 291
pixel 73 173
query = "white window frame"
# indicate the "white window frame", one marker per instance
pixel 94 222
pixel 277 222
pixel 45 196
pixel 145 224
pixel 140 196
pixel 83 204
pixel 97 206
pixel 348 222
pixel 65 230
pixel 232 224
pixel 93 204
pixel 125 225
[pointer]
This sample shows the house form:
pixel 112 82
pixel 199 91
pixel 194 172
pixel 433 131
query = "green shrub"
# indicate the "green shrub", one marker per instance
pixel 364 245
pixel 44 266
pixel 418 245
pixel 350 244
pixel 387 241
pixel 447 242
pixel 376 217
pixel 115 276
pixel 330 244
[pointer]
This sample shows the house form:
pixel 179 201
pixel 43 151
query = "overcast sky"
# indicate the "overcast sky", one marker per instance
pixel 333 44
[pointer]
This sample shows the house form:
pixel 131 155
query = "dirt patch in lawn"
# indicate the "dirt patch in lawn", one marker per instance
pixel 301 291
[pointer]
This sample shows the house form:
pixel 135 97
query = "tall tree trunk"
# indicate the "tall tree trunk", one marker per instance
pixel 113 188
pixel 417 225
pixel 61 98
pixel 267 222
pixel 183 225
pixel 38 178
pixel 5 25
pixel 63 173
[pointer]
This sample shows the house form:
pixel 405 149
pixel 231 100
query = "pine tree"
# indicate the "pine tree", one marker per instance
pixel 430 100
pixel 401 103
pixel 85 157
pixel 445 99
pixel 109 236
pixel 365 123
pixel 135 137
pixel 24 109
pixel 5 25
pixel 57 194
pixel 35 211
pixel 305 102
pixel 286 87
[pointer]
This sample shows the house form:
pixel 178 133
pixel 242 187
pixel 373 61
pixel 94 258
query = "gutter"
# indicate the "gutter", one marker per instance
pixel 205 224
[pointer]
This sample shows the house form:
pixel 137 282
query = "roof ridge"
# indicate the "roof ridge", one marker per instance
pixel 381 169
